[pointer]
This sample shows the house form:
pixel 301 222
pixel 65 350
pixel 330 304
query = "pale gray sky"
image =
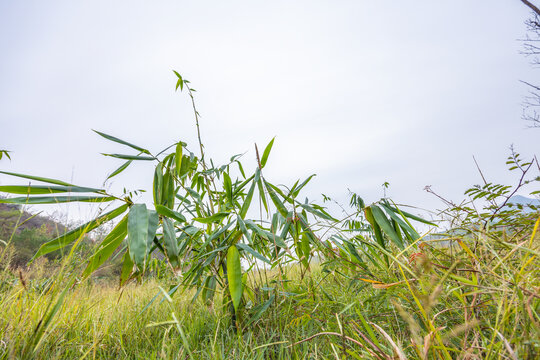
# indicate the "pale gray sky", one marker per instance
pixel 359 92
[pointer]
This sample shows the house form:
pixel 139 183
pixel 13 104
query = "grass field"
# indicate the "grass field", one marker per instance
pixel 475 299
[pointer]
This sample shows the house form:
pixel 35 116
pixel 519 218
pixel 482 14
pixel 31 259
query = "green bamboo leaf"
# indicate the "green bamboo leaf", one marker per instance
pixel 244 229
pixel 227 185
pixel 406 227
pixel 411 216
pixel 120 141
pixel 296 191
pixel 120 169
pixel 74 234
pixel 44 189
pixel 252 252
pixel 130 157
pixel 138 234
pixel 277 202
pixel 111 242
pixel 178 159
pixel 157 186
pixel 55 199
pixel 153 223
pixel 234 276
pixel 171 244
pixel 261 309
pixel 375 226
pixel 266 153
pixel 127 268
pixel 386 225
pixel 37 178
pixel 247 201
pixel 216 218
pixel 306 249
pixel 318 213
pixel 165 211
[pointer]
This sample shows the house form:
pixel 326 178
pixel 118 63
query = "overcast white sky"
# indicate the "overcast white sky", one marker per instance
pixel 359 92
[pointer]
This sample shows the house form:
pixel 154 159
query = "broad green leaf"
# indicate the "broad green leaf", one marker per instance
pixel 277 202
pixel 178 159
pixel 216 218
pixel 37 178
pixel 120 141
pixel 131 157
pixel 171 244
pixel 165 211
pixel 386 226
pixel 266 153
pixel 234 276
pixel 138 234
pixel 74 234
pixel 252 252
pixel 44 189
pixel 120 169
pixel 111 242
pixel 34 200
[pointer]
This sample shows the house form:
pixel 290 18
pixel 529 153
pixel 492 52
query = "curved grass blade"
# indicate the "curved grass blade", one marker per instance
pixel 72 235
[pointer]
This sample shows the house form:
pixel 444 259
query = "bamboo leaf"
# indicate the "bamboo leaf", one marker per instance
pixel 120 141
pixel 165 211
pixel 266 153
pixel 55 199
pixel 37 178
pixel 178 157
pixel 74 234
pixel 138 234
pixel 120 169
pixel 216 218
pixel 44 189
pixel 111 242
pixel 234 276
pixel 386 226
pixel 130 157
pixel 227 185
pixel 277 202
pixel 252 252
pixel 171 244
